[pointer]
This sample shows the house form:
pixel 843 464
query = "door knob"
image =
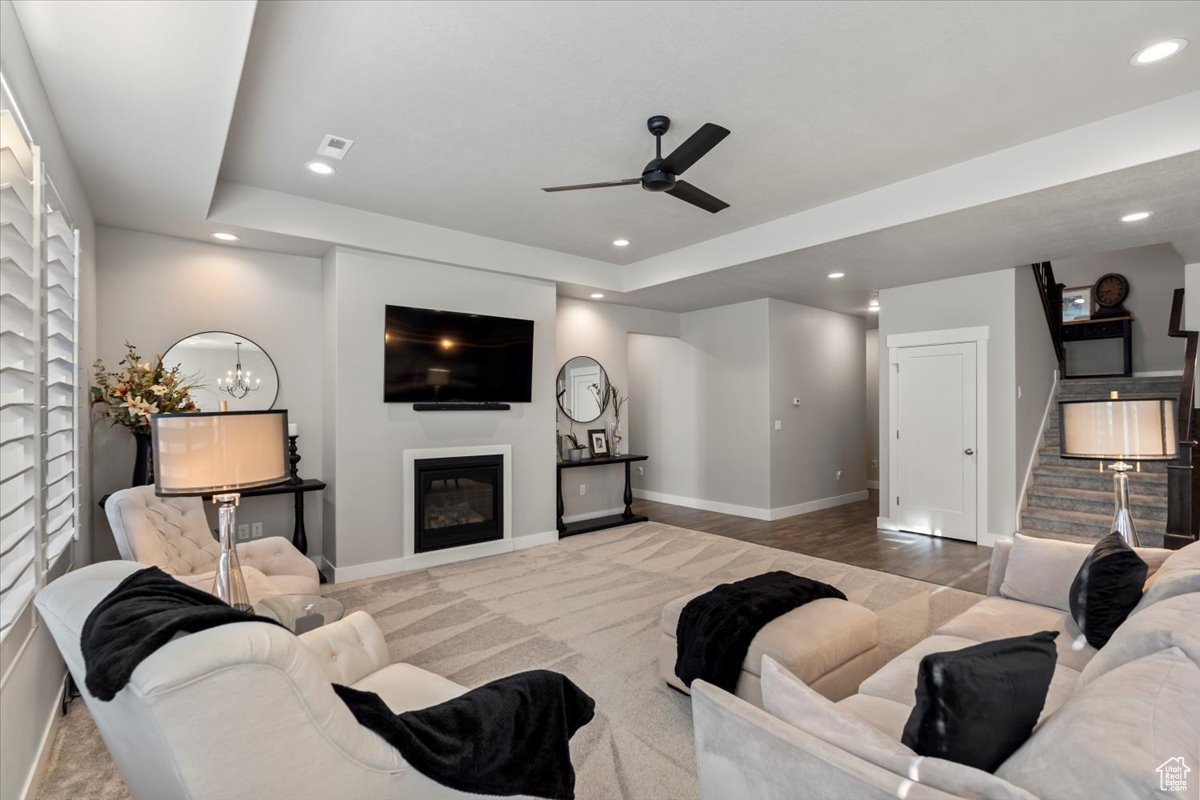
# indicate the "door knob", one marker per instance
pixel 969 451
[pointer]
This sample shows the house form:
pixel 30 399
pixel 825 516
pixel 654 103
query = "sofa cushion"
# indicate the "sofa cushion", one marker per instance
pixel 977 705
pixel 1039 571
pixel 789 699
pixel 897 680
pixel 1174 622
pixel 998 618
pixel 1179 574
pixel 884 715
pixel 1113 735
pixel 1106 588
pixel 403 687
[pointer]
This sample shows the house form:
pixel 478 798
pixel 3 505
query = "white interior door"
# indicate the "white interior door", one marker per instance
pixel 934 454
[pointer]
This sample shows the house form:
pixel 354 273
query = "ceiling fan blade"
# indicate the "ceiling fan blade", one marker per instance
pixel 697 197
pixel 626 182
pixel 692 150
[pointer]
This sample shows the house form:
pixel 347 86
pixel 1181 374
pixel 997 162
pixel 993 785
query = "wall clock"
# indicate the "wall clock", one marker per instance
pixel 1110 293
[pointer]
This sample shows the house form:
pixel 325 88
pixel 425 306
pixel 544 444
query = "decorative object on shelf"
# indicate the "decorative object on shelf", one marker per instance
pixel 582 389
pixel 1121 431
pixel 252 384
pixel 1077 304
pixel 236 381
pixel 1111 291
pixel 221 454
pixel 128 396
pixel 293 458
pixel 598 441
pixel 577 451
pixel 617 401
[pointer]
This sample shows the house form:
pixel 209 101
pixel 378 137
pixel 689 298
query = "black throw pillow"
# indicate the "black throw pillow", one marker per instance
pixel 977 705
pixel 1106 588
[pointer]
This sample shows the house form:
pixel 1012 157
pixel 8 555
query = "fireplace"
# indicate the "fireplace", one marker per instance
pixel 459 501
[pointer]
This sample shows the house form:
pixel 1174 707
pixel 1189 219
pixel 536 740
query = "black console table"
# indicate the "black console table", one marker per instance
pixel 1086 330
pixel 299 537
pixel 599 523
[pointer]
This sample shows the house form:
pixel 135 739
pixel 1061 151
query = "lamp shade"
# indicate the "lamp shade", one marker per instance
pixel 211 453
pixel 1124 430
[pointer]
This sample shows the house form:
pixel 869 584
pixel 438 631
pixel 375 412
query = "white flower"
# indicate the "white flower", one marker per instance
pixel 139 407
pixel 158 389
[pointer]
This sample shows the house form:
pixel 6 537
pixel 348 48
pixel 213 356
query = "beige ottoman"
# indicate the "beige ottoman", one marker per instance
pixel 832 645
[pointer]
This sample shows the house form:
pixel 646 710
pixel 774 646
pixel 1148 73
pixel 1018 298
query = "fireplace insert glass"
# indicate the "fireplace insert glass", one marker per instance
pixel 459 501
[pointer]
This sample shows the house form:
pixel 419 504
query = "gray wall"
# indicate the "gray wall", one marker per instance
pixel 1154 273
pixel 601 330
pixel 969 301
pixel 871 410
pixel 154 290
pixel 1035 365
pixel 817 356
pixel 372 435
pixel 32 669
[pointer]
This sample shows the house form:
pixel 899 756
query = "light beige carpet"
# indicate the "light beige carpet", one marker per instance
pixel 587 606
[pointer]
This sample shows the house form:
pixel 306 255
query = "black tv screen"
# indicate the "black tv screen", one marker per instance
pixel 444 356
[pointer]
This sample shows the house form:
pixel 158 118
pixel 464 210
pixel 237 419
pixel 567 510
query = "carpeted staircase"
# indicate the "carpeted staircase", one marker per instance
pixel 1074 499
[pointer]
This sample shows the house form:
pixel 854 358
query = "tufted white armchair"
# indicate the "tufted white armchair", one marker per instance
pixel 173 534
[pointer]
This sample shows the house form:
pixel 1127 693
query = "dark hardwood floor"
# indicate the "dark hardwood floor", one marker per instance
pixel 845 534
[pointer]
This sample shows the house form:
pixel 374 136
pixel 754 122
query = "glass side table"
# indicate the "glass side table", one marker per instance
pixel 300 612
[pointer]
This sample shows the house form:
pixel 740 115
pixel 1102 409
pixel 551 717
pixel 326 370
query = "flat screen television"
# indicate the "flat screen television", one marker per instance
pixel 447 357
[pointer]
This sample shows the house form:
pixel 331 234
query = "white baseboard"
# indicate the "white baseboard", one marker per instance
pixel 608 512
pixel 873 485
pixel 44 747
pixel 704 505
pixel 535 540
pixel 990 539
pixel 436 558
pixel 817 505
pixel 765 514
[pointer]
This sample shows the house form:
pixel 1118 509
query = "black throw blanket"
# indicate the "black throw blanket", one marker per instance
pixel 716 628
pixel 507 737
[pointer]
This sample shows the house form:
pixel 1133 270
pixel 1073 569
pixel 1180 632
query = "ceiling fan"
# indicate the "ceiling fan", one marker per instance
pixel 661 174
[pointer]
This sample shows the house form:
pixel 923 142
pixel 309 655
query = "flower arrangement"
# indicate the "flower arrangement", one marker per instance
pixel 140 388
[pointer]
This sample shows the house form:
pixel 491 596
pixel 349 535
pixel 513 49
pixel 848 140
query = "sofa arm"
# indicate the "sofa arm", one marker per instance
pixel 742 751
pixel 349 649
pixel 275 555
pixel 998 565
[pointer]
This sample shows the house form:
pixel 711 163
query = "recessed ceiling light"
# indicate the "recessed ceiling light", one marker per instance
pixel 835 275
pixel 1136 216
pixel 597 295
pixel 620 243
pixel 1157 51
pixel 225 237
pixel 320 168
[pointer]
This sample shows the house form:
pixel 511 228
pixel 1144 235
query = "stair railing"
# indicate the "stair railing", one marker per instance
pixel 1183 479
pixel 1051 292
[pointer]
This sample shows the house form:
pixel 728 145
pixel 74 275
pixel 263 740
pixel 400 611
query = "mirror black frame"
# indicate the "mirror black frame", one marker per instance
pixel 243 339
pixel 558 396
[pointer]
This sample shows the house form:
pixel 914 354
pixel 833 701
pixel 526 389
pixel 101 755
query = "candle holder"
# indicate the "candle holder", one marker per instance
pixel 293 461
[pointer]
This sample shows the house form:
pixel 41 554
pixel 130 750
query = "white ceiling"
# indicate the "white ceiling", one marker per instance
pixel 461 111
pixel 1073 219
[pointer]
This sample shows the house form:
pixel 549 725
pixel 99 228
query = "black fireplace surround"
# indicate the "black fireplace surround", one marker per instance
pixel 459 501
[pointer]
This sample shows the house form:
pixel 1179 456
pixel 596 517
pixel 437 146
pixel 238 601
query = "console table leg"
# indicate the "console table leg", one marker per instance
pixel 628 493
pixel 562 526
pixel 299 537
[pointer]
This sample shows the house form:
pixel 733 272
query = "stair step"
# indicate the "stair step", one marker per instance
pixel 1081 523
pixel 1070 478
pixel 1164 384
pixel 1050 457
pixel 1144 507
pixel 1064 537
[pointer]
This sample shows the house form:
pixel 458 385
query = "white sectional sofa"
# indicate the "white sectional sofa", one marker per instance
pixel 1112 716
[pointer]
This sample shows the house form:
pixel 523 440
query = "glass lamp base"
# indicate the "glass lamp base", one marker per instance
pixel 229 585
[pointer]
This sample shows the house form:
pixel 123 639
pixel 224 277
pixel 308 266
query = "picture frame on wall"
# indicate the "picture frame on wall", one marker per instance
pixel 598 441
pixel 1077 304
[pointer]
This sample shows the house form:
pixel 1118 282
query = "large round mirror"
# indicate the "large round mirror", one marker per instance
pixel 227 367
pixel 582 389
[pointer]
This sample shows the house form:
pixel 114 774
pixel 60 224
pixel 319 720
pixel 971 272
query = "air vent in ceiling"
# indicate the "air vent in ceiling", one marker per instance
pixel 334 147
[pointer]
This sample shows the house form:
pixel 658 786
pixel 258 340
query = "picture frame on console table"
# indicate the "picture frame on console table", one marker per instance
pixel 1077 304
pixel 598 441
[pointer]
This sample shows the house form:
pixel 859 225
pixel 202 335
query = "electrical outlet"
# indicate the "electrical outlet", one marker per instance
pixel 582 489
pixel 641 471
pixel 874 464
pixel 778 424
pixel 256 530
pixel 839 475
pixel 243 531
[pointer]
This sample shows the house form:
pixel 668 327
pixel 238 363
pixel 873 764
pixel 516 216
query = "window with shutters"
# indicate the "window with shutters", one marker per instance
pixel 39 373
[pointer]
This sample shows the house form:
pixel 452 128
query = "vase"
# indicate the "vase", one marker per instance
pixel 143 461
pixel 614 438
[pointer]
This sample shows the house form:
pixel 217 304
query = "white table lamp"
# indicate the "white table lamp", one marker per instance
pixel 220 453
pixel 1120 431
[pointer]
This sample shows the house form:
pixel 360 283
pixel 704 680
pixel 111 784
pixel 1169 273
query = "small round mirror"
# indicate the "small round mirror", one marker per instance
pixel 228 367
pixel 582 389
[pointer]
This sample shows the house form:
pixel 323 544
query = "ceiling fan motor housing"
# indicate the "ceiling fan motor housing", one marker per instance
pixel 655 179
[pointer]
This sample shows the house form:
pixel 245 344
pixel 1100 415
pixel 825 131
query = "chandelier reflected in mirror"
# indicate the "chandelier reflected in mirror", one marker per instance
pixel 237 383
